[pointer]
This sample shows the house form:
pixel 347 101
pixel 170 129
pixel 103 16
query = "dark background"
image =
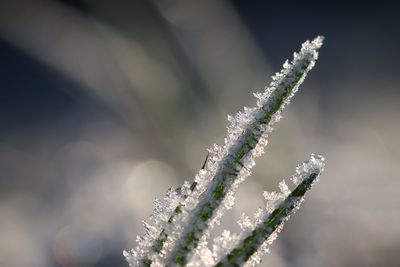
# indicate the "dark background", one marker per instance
pixel 106 104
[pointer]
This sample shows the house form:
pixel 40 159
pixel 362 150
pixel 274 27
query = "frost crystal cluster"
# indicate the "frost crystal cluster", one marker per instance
pixel 178 231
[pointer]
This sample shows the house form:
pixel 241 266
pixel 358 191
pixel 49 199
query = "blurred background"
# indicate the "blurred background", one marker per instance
pixel 104 105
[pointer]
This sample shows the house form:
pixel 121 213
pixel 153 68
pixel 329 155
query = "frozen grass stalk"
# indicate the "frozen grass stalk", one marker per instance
pixel 266 231
pixel 179 231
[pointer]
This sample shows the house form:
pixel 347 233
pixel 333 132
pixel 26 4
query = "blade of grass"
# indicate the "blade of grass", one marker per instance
pixel 252 243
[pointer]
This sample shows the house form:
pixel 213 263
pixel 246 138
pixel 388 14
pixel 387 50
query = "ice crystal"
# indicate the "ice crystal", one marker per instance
pixel 245 223
pixel 178 232
pixel 284 188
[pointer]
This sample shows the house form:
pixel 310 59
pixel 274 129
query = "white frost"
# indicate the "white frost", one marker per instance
pixel 244 124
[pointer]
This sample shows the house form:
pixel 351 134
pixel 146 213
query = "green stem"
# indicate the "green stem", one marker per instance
pixel 239 255
pixel 159 243
pixel 232 166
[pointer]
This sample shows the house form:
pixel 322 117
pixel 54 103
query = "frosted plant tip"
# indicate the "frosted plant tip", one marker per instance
pixel 315 164
pixel 319 40
pixel 318 161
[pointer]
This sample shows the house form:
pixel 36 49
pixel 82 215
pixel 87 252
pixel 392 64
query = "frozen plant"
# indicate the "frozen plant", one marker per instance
pixel 178 232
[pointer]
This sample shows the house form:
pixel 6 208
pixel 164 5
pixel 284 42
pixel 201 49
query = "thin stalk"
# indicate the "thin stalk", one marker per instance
pixel 159 242
pixel 234 162
pixel 249 245
pixel 193 211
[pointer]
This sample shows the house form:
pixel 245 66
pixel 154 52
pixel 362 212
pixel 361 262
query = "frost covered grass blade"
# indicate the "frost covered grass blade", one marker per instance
pixel 180 225
pixel 265 232
pixel 246 139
